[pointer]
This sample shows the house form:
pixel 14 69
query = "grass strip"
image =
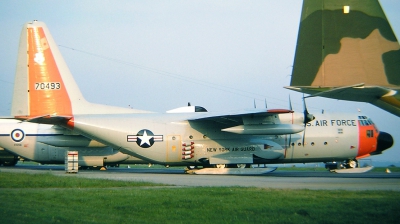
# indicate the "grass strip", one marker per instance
pixel 106 203
pixel 48 180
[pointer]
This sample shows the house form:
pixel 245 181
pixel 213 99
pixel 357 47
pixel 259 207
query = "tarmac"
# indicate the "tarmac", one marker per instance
pixel 313 180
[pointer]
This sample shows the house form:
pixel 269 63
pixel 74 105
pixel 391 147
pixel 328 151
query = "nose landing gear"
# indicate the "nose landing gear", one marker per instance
pixel 348 166
pixel 351 163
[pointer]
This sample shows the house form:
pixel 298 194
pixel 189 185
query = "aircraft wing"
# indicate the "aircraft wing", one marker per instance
pixel 237 117
pixel 264 122
pixel 385 98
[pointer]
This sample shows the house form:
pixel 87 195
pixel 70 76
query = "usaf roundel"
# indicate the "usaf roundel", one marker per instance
pixel 17 135
pixel 145 138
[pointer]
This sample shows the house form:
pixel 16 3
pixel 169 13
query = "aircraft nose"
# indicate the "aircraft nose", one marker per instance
pixel 385 141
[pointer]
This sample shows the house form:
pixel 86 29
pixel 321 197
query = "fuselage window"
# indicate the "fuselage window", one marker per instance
pixel 370 133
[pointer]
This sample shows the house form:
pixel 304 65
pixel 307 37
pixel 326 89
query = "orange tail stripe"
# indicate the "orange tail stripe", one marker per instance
pixel 47 92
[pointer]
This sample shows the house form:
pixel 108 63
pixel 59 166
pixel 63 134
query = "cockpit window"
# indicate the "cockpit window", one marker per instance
pixel 365 121
pixel 370 133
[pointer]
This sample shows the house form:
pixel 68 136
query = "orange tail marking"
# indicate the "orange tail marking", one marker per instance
pixel 47 92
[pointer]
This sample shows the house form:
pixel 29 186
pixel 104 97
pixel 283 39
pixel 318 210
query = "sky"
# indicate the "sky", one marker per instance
pixel 159 55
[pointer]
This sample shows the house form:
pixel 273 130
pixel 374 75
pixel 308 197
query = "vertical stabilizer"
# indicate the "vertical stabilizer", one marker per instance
pixel 343 43
pixel 43 83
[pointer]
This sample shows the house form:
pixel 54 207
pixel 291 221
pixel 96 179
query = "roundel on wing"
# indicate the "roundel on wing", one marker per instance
pixel 145 138
pixel 17 135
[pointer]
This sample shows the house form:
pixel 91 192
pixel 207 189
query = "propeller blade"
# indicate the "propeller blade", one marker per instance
pixel 307 116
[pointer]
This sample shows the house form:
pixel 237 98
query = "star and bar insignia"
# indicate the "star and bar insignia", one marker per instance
pixel 145 138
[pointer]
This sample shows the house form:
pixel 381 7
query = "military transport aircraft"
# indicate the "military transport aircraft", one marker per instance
pixel 47 144
pixel 347 50
pixel 190 136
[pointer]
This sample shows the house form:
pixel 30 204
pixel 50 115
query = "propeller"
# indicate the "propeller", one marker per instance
pixel 307 118
pixel 290 108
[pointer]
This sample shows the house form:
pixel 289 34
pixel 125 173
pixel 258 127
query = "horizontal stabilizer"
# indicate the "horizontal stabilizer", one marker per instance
pixel 385 98
pixel 357 92
pixel 47 119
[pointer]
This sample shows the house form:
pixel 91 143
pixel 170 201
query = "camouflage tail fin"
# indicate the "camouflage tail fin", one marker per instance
pixel 344 43
pixel 43 83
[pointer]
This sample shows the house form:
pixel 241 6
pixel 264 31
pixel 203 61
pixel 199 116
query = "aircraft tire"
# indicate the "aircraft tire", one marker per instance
pixel 352 163
pixel 192 167
pixel 221 166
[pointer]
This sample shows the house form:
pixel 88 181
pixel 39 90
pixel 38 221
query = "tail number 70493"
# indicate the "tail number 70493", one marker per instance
pixel 47 86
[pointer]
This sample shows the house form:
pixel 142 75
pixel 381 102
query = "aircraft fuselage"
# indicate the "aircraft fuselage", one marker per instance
pixel 177 139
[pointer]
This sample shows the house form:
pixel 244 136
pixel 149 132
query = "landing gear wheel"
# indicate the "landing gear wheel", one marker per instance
pixel 352 164
pixel 241 166
pixel 220 166
pixel 191 167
